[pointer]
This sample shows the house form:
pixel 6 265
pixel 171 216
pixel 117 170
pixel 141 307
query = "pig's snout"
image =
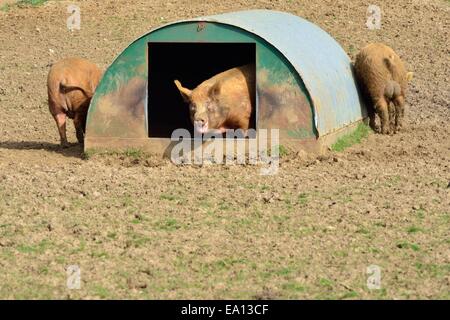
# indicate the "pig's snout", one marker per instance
pixel 201 125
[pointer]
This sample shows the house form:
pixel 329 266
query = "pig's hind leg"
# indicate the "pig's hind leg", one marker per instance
pixel 79 122
pixel 382 109
pixel 399 103
pixel 60 119
pixel 392 117
pixel 372 119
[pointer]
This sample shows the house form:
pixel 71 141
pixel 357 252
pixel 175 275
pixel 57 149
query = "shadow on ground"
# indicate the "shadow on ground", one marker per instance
pixel 74 150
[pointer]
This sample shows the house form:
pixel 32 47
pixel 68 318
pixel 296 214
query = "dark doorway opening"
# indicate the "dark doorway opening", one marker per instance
pixel 191 63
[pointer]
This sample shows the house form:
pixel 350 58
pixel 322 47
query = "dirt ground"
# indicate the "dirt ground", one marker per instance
pixel 143 228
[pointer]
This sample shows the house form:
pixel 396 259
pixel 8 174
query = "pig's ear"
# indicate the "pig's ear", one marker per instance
pixel 214 91
pixel 185 93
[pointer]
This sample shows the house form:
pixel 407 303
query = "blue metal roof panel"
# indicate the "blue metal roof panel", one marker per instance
pixel 323 65
pixel 321 62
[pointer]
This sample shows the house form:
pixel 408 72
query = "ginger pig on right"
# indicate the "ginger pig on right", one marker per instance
pixel 383 78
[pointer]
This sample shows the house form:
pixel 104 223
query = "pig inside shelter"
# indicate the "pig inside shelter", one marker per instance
pixel 191 64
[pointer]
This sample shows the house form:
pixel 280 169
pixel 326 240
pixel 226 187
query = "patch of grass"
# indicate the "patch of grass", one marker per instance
pixel 226 263
pixel 6 230
pixel 283 151
pixel 380 224
pixel 137 240
pixel 293 287
pixel 133 153
pixel 363 230
pixel 224 206
pixel 284 271
pixel 169 224
pixel 324 282
pixel 374 250
pixel 5 8
pixel 60 259
pixel 413 229
pixel 43 270
pixel 349 295
pixel 341 253
pixel 41 247
pixel 112 235
pixel 348 140
pixel 281 218
pixel 88 154
pixel 102 292
pixel 393 180
pixel 26 249
pixel 379 294
pixel 34 3
pixel 81 247
pixel 352 49
pixel 22 4
pixel 78 202
pixel 303 231
pixel 347 199
pixel 205 204
pixel 242 222
pixel 420 213
pixel 27 289
pixel 256 213
pixel 99 254
pixel 406 245
pixel 127 200
pixel 168 197
pixel 303 199
pixel 435 270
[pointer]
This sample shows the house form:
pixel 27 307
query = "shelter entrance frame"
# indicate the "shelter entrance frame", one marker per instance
pixel 191 63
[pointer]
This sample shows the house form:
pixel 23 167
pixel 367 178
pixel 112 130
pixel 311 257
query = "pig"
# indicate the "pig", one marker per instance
pixel 225 101
pixel 71 83
pixel 383 78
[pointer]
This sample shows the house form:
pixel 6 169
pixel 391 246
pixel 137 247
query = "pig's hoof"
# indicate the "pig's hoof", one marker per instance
pixel 375 128
pixel 65 145
pixel 80 139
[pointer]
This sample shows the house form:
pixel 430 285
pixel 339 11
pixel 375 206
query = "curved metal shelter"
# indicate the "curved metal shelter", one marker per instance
pixel 305 84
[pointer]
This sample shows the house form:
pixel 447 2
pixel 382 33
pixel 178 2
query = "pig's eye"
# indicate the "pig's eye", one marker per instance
pixel 210 107
pixel 192 107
